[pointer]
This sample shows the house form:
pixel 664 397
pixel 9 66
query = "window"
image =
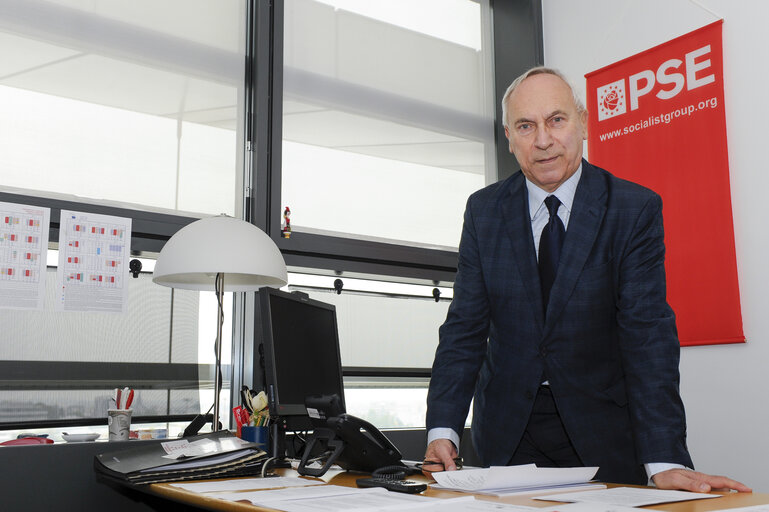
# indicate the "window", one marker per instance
pixel 124 102
pixel 133 109
pixel 387 117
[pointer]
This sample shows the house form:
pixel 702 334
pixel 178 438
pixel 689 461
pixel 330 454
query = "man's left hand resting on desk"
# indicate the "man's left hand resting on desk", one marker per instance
pixel 695 481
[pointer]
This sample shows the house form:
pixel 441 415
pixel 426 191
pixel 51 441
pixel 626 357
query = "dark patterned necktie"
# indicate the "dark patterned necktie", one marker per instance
pixel 550 248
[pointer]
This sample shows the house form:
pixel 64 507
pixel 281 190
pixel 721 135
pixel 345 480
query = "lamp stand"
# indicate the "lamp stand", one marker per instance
pixel 218 370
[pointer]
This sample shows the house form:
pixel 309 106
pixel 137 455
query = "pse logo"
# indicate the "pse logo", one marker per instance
pixel 668 81
pixel 611 100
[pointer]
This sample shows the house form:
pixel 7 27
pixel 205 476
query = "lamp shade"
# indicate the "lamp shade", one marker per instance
pixel 246 256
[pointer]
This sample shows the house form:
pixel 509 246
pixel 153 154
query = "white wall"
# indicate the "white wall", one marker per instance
pixel 723 387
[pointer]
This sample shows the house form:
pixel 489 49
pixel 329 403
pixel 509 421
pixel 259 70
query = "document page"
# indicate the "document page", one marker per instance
pixel 465 505
pixel 589 507
pixel 308 493
pixel 527 476
pixel 754 508
pixel 23 251
pixel 522 491
pixel 93 262
pixel 349 499
pixel 248 484
pixel 370 500
pixel 628 496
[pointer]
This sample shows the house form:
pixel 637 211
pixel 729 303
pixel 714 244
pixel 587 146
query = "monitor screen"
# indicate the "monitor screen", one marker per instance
pixel 301 353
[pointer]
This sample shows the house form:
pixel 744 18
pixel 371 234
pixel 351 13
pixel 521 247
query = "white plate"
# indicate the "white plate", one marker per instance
pixel 80 438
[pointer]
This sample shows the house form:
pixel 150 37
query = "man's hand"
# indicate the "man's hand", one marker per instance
pixel 687 480
pixel 441 451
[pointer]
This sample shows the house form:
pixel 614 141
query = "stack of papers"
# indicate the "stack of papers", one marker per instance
pixel 216 455
pixel 509 480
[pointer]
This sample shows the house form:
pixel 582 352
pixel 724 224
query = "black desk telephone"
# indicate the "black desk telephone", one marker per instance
pixel 352 443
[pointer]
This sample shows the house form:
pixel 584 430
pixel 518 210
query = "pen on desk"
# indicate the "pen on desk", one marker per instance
pixel 117 398
pixel 130 399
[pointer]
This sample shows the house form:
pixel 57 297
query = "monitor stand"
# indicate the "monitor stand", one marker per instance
pixel 278 444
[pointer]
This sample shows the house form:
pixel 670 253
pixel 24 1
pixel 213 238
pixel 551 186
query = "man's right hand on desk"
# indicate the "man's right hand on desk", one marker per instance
pixel 441 453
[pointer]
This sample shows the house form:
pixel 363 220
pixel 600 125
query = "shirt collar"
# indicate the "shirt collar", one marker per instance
pixel 565 193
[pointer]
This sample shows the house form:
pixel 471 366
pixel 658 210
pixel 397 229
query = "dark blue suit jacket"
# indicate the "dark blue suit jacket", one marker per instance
pixel 608 345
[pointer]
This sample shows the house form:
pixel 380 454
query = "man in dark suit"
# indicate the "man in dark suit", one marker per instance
pixel 576 365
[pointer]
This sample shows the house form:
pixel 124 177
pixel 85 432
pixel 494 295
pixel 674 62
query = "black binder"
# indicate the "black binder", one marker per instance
pixel 225 456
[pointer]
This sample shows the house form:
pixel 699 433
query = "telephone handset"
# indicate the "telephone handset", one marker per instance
pixel 352 443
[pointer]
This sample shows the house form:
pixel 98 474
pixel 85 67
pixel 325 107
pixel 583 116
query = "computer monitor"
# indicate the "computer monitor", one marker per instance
pixel 300 348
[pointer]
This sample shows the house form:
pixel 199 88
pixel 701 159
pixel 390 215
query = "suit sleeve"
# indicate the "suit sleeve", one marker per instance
pixel 462 345
pixel 649 343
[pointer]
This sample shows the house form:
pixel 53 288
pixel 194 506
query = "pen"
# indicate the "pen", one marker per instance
pixel 125 397
pixel 130 399
pixel 117 398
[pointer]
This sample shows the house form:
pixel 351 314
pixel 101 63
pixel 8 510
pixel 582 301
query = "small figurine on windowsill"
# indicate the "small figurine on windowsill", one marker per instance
pixel 286 231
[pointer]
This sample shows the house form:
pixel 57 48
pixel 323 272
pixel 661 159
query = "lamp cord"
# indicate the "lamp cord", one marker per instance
pixel 218 283
pixel 219 289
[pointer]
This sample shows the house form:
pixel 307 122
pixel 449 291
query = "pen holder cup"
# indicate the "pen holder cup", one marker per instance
pixel 119 422
pixel 258 435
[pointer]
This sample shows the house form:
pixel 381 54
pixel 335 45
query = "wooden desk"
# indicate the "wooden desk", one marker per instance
pixel 730 500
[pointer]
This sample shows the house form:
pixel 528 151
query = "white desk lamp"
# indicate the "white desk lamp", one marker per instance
pixel 220 254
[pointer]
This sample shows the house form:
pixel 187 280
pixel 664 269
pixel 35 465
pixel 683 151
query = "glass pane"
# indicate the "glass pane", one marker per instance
pixel 132 102
pixel 387 117
pixel 388 406
pixel 382 327
pixel 160 325
pixel 142 431
pixel 141 335
pixel 392 403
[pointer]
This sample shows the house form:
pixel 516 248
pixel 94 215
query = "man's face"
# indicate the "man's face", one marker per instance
pixel 545 130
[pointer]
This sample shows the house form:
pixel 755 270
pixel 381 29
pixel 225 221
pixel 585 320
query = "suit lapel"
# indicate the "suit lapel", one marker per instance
pixel 584 223
pixel 517 221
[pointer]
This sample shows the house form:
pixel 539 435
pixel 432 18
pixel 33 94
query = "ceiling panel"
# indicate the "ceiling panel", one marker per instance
pixel 18 54
pixel 466 156
pixel 105 81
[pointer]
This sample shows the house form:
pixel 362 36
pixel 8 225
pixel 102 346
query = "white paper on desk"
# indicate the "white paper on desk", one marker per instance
pixel 523 491
pixel 589 507
pixel 512 477
pixel 395 502
pixel 754 508
pixel 348 499
pixel 374 499
pixel 312 492
pixel 628 496
pixel 461 505
pixel 247 484
pixel 328 497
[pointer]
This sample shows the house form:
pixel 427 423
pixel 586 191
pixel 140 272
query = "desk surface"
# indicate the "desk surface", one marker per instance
pixel 729 500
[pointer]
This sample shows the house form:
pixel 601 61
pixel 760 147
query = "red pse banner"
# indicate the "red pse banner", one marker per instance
pixel 657 118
